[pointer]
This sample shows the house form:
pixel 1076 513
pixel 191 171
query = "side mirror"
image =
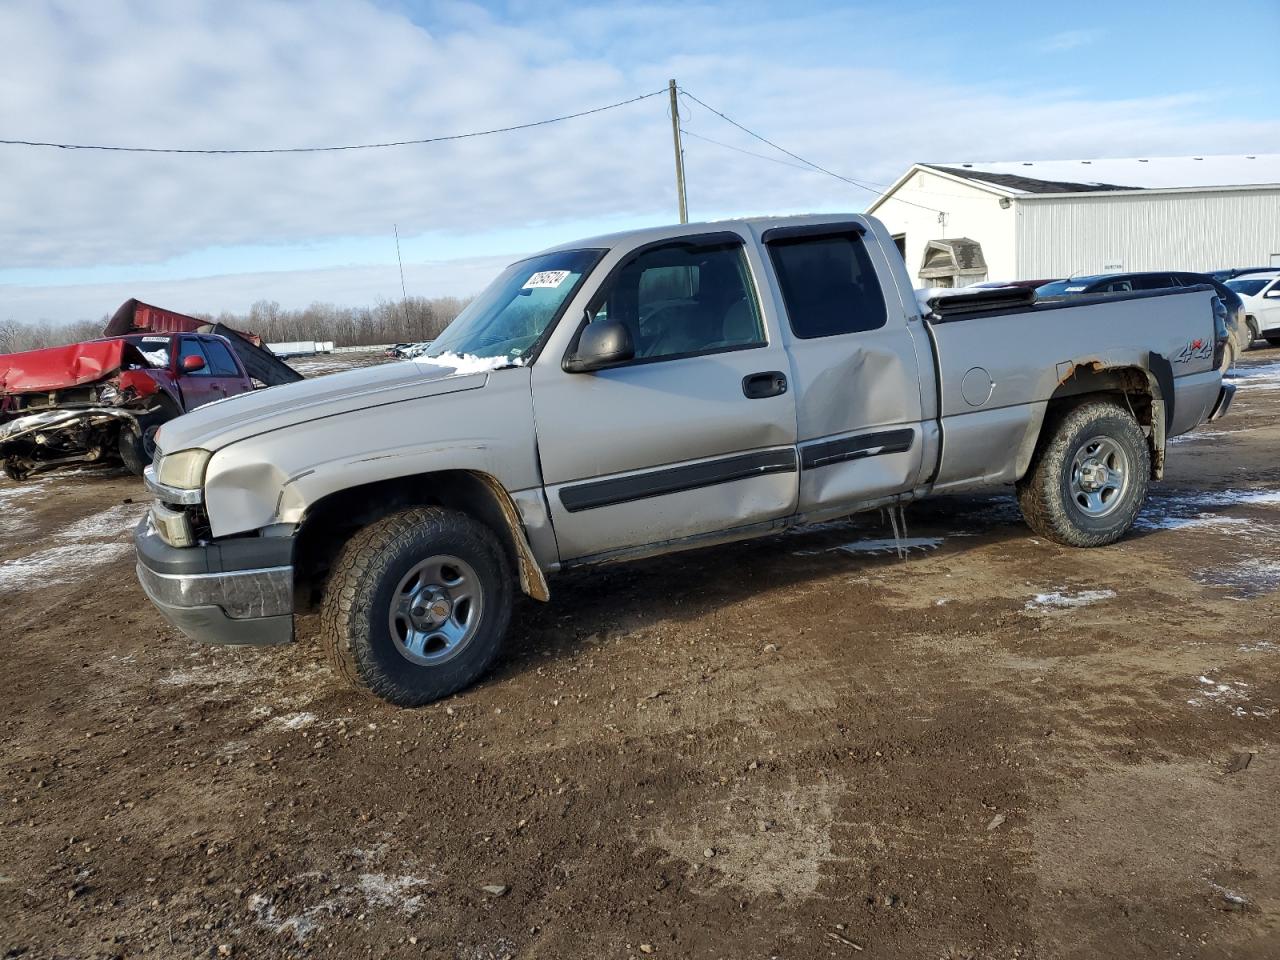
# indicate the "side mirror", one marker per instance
pixel 605 343
pixel 1273 294
pixel 190 364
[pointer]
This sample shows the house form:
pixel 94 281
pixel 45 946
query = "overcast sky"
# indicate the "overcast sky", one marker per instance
pixel 863 89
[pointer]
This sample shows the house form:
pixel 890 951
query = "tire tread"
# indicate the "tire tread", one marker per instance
pixel 346 614
pixel 1040 493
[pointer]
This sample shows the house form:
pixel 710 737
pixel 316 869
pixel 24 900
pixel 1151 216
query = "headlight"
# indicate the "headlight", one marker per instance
pixel 184 469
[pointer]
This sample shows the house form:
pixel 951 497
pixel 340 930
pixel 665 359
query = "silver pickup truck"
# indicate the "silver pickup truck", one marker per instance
pixel 648 392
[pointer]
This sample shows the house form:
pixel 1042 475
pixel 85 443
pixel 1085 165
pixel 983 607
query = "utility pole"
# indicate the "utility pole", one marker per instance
pixel 675 136
pixel 403 294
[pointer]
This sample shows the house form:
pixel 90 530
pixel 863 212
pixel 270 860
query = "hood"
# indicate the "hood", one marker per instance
pixel 57 368
pixel 224 422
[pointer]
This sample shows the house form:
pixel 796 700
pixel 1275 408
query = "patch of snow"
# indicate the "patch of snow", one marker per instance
pixel 1262 646
pixel 1230 694
pixel 1208 521
pixel 110 524
pixel 1062 600
pixel 1198 510
pixel 61 564
pixel 1265 376
pixel 382 890
pixel 887 545
pixel 294 721
pixel 301 925
pixel 1199 435
pixel 1251 577
pixel 466 363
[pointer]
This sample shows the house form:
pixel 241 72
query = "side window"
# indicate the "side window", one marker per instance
pixel 683 299
pixel 220 359
pixel 1155 281
pixel 829 285
pixel 1119 286
pixel 189 347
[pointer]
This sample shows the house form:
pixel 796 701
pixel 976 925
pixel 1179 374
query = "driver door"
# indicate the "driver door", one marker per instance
pixel 696 433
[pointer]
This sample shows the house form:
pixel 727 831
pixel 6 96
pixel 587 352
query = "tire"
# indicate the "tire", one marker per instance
pixel 136 451
pixel 1064 496
pixel 13 470
pixel 395 598
pixel 1251 332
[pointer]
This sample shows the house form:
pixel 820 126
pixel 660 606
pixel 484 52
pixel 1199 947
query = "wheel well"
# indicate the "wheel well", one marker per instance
pixel 1130 387
pixel 331 521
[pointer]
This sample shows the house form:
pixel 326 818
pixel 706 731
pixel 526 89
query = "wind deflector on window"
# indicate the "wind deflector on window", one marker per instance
pixel 957 306
pixel 811 231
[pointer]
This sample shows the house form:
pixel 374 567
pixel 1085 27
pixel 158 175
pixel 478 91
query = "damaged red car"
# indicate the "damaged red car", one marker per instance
pixel 104 400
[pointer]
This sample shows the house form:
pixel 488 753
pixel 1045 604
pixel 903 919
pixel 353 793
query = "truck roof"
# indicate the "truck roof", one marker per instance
pixel 643 235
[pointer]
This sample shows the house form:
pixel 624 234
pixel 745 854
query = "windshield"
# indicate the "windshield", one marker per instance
pixel 154 349
pixel 509 318
pixel 1248 288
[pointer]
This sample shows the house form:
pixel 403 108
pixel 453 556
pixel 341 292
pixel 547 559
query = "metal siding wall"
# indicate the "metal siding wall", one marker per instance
pixel 1185 231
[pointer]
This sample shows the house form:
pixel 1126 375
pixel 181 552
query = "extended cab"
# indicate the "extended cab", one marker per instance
pixel 647 392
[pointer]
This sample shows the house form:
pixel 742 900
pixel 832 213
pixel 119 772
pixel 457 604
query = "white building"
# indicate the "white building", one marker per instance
pixel 962 223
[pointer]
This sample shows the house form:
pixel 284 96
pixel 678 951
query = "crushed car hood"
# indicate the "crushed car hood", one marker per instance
pixel 57 368
pixel 219 424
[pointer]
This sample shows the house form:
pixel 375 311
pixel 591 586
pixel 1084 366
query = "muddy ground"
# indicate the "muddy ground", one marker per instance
pixel 801 747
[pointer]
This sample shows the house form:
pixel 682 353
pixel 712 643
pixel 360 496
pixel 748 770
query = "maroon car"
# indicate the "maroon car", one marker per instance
pixel 105 399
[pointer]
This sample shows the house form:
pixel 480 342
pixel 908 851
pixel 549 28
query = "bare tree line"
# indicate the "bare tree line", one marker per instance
pixel 390 321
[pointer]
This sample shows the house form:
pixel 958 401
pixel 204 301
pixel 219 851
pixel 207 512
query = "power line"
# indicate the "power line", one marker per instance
pixel 749 153
pixel 796 156
pixel 334 149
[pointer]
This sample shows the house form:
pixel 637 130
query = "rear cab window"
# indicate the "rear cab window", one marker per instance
pixel 829 284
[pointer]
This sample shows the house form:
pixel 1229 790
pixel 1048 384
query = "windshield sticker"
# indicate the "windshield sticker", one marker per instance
pixel 546 278
pixel 155 339
pixel 1074 289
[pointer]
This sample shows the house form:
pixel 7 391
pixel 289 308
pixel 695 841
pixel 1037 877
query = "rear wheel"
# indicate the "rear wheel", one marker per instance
pixel 417 605
pixel 1251 332
pixel 1089 478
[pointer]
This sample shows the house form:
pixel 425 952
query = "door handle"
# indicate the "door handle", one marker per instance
pixel 757 386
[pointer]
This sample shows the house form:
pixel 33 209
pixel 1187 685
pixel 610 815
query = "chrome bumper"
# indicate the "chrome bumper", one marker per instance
pixel 219 592
pixel 240 594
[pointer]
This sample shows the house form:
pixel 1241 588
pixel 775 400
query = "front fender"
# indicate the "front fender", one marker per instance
pixel 275 477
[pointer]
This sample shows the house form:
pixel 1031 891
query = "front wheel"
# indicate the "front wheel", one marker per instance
pixel 417 605
pixel 1089 478
pixel 137 450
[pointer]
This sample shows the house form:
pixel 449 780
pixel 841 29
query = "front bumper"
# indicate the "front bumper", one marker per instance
pixel 1223 403
pixel 237 591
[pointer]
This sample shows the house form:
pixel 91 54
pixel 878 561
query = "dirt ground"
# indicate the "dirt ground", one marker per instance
pixel 801 747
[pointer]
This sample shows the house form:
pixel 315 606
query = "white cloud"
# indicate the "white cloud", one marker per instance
pixel 1069 40
pixel 218 73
